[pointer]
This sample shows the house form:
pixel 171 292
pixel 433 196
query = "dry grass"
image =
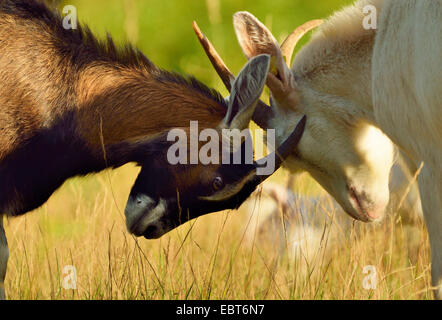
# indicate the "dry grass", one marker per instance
pixel 83 225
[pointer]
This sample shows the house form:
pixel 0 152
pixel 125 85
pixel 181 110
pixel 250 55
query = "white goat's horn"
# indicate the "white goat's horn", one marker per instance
pixel 289 44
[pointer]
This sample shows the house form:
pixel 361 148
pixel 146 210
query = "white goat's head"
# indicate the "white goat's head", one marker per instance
pixel 350 158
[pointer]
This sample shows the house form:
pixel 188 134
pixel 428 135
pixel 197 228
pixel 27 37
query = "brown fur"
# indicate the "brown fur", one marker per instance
pixel 71 104
pixel 127 102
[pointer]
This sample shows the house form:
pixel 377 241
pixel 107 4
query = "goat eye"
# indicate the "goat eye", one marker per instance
pixel 217 183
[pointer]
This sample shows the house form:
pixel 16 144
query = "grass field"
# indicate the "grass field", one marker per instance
pixel 83 223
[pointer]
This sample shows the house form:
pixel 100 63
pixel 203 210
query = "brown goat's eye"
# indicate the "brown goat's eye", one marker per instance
pixel 217 183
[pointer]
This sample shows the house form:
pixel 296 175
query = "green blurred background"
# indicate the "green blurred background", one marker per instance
pixel 162 29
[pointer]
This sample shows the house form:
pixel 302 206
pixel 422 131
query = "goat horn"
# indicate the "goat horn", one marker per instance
pixel 223 71
pixel 287 147
pixel 290 42
pixel 262 112
pixel 284 150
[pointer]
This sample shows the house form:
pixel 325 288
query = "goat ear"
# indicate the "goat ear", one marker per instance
pixel 254 39
pixel 253 36
pixel 245 93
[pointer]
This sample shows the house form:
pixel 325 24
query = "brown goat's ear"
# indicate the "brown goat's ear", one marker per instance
pixel 254 39
pixel 245 93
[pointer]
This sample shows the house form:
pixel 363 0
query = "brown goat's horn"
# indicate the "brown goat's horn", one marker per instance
pixel 290 42
pixel 263 113
pixel 223 71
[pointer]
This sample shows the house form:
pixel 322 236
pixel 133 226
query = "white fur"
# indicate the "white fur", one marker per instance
pixel 408 107
pixel 359 89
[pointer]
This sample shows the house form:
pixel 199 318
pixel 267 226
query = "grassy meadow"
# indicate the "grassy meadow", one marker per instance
pixel 83 223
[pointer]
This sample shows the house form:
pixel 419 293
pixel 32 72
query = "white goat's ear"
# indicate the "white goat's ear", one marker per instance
pixel 253 36
pixel 245 93
pixel 254 39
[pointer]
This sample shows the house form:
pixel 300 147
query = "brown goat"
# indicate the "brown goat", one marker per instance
pixel 71 105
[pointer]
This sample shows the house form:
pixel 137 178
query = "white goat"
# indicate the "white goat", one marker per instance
pixel 357 86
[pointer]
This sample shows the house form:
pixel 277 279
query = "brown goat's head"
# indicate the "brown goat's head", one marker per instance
pixel 168 193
